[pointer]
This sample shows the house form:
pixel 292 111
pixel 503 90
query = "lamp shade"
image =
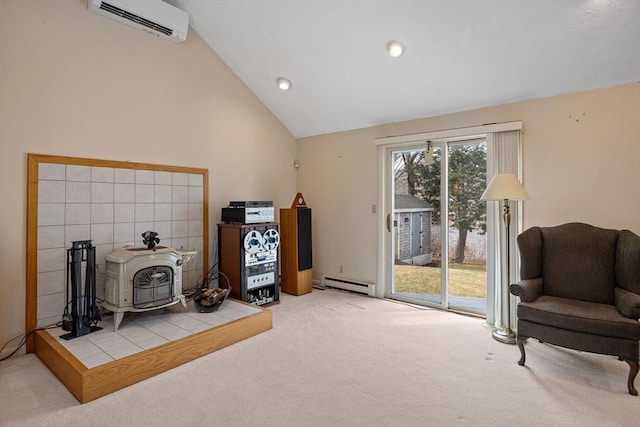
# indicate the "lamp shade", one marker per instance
pixel 505 186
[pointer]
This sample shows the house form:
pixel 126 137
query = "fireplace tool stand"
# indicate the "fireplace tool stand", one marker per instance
pixel 84 311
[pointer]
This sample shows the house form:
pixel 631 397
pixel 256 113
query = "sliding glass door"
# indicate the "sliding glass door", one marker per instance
pixel 438 224
pixel 417 272
pixel 467 251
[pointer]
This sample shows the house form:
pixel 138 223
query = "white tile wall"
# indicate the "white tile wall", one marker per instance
pixel 179 211
pixel 51 192
pixel 195 180
pixel 77 213
pixel 145 193
pixel 195 211
pixel 51 236
pixel 195 228
pixel 180 179
pixel 179 229
pixel 101 213
pixel 125 175
pixel 123 232
pixel 124 193
pixel 51 171
pixel 162 212
pixel 195 243
pixel 50 305
pixel 163 178
pixel 112 207
pixel 145 177
pixel 78 173
pixel 51 259
pixel 51 214
pixel 180 194
pixel 163 193
pixel 102 251
pixel 124 212
pixel 76 232
pixel 144 212
pixel 101 192
pixel 101 233
pixel 78 192
pixel 180 243
pixel 51 282
pixel 99 174
pixel 195 194
pixel 163 228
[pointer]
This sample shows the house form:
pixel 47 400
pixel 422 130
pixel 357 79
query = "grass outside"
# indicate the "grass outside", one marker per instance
pixel 465 280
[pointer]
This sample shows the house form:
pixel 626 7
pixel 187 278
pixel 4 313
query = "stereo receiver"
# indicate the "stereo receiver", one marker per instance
pixel 248 212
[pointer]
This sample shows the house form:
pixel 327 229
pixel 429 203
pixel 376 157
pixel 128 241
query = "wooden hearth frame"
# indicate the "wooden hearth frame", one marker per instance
pixel 88 384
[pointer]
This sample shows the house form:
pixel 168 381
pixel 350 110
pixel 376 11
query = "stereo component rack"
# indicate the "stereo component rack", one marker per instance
pixel 249 258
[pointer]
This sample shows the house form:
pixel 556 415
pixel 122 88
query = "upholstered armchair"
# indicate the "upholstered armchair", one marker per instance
pixel 580 289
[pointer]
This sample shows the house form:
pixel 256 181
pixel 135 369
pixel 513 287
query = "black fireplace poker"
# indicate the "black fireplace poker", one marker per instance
pixel 84 310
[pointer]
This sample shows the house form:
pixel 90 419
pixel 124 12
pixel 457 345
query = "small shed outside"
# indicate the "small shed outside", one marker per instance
pixel 413 230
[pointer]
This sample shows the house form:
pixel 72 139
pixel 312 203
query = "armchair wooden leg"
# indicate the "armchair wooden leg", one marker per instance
pixel 520 341
pixel 633 371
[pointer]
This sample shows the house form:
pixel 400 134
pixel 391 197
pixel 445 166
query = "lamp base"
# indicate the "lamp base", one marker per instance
pixel 506 336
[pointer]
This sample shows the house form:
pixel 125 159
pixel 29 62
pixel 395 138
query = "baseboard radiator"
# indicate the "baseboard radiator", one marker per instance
pixel 349 285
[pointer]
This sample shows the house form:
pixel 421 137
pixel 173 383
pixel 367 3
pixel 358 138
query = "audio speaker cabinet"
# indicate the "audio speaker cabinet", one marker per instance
pixel 296 253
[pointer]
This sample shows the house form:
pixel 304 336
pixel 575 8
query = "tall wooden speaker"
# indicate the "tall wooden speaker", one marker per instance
pixel 295 248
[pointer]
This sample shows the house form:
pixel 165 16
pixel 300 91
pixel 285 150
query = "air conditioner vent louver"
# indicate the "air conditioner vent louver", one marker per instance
pixel 152 16
pixel 135 18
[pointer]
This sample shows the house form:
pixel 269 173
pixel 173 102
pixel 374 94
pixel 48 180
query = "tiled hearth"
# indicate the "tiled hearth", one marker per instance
pixel 143 331
pixel 145 345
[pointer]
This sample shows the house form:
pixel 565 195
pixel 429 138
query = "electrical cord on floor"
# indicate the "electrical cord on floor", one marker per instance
pixel 105 313
pixel 25 336
pixel 203 281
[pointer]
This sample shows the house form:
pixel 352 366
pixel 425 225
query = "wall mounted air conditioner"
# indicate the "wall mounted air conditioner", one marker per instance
pixel 154 16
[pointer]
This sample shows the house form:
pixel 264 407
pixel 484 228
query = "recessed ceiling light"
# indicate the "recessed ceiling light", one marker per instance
pixel 283 83
pixel 395 48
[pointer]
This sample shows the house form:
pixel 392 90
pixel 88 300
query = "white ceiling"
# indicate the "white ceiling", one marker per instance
pixel 460 55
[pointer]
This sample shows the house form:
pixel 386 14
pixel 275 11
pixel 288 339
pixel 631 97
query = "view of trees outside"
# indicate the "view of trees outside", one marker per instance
pixel 467 214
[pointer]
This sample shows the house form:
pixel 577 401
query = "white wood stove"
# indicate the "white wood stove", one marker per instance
pixel 142 279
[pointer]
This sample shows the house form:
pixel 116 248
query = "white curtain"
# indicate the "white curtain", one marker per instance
pixel 503 156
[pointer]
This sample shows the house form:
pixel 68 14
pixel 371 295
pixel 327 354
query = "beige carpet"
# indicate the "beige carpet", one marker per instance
pixel 339 359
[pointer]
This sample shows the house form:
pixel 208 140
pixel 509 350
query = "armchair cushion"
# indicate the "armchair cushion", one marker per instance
pixel 627 303
pixel 580 316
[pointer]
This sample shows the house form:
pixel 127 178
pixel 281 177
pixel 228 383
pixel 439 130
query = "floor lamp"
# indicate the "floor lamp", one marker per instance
pixel 505 186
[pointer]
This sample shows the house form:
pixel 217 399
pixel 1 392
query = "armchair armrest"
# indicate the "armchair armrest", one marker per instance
pixel 528 290
pixel 627 303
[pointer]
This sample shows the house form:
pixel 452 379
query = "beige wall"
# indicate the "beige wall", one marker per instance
pixel 73 83
pixel 581 160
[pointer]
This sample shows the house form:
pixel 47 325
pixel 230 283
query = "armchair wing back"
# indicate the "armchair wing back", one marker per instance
pixel 580 289
pixel 575 261
pixel 628 265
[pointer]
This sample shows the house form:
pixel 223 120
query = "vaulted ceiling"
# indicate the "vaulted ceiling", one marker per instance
pixel 460 55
